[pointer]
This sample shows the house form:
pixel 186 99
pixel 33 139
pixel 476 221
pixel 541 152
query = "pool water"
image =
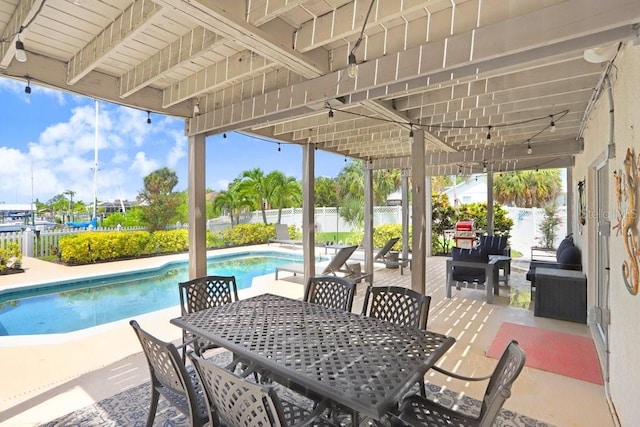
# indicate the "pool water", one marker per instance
pixel 66 307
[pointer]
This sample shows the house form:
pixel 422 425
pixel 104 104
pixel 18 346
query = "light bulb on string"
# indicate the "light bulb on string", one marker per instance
pixel 27 89
pixel 489 133
pixel 279 149
pixel 529 149
pixel 552 126
pixel 352 67
pixel 330 120
pixel 148 117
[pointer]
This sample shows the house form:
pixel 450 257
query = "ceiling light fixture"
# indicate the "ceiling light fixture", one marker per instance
pixel 352 63
pixel 27 89
pixel 21 55
pixel 352 67
pixel 148 117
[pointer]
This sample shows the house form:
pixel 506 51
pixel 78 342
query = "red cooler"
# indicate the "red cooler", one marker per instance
pixel 465 234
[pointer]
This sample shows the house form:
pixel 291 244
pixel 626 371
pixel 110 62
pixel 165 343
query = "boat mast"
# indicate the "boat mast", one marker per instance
pixel 95 166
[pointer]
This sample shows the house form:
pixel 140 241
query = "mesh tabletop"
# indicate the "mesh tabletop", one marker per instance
pixel 361 362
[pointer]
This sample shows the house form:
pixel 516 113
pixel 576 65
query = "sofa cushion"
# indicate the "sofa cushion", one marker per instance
pixel 570 257
pixel 469 274
pixel 566 243
pixel 494 245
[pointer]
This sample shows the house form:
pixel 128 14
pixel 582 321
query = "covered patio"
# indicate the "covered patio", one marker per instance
pixel 89 367
pixel 431 87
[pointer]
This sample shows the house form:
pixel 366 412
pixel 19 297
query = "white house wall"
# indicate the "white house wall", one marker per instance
pixel 624 336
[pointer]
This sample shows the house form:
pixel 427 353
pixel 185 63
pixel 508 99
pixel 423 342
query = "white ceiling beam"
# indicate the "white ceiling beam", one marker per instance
pixel 347 21
pixel 24 11
pixel 125 27
pixel 594 21
pixel 52 73
pixel 262 11
pixel 273 40
pixel 187 48
pixel 223 73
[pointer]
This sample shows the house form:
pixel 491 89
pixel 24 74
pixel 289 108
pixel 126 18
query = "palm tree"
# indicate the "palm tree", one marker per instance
pixel 527 188
pixel 352 211
pixel 285 191
pixel 385 182
pixel 255 186
pixel 326 191
pixel 232 201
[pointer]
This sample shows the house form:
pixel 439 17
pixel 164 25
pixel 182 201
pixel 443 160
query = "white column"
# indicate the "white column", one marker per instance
pixel 368 220
pixel 570 200
pixel 197 207
pixel 489 229
pixel 419 221
pixel 428 216
pixel 308 220
pixel 405 214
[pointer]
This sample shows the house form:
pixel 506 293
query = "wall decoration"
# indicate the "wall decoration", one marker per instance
pixel 582 206
pixel 626 182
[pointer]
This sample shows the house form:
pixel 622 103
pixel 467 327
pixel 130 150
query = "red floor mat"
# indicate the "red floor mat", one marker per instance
pixel 565 354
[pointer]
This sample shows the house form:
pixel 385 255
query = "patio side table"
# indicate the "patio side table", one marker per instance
pixel 561 294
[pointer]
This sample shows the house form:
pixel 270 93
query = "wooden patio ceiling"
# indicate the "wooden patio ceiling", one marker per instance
pixel 459 69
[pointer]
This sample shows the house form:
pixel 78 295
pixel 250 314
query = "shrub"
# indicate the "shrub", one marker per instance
pixel 384 232
pixel 94 246
pixel 249 234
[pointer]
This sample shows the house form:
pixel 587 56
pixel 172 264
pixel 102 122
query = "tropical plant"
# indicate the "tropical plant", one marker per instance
pixel 157 199
pixel 286 191
pixel 527 188
pixel 385 182
pixel 232 201
pixel 326 192
pixel 443 217
pixel 131 218
pixel 478 213
pixel 549 226
pixel 255 186
pixel 352 211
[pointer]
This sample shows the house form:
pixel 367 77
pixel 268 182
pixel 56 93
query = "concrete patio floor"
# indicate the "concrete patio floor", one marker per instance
pixel 44 377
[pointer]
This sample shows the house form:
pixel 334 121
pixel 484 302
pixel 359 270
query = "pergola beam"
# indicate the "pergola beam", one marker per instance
pixel 494 46
pixel 262 11
pixel 127 26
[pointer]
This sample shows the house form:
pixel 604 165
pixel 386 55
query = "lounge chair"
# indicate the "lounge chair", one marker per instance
pixel 384 256
pixel 282 236
pixel 338 264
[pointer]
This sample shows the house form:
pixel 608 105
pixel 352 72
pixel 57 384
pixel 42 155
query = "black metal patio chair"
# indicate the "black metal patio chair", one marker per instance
pixel 171 379
pixel 416 410
pixel 240 403
pixel 330 291
pixel 202 293
pixel 396 304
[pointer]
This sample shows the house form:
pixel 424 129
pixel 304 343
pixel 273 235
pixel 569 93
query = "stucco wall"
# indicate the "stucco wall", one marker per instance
pixel 624 330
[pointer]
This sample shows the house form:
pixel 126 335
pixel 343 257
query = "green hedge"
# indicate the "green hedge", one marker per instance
pixel 249 234
pixel 94 246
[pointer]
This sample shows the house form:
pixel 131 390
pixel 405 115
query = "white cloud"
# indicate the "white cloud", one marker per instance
pixel 142 165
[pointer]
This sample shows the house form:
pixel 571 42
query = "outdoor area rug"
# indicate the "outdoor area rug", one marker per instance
pixel 565 354
pixel 129 408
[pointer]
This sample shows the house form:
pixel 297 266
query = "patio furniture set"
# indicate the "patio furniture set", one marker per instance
pixel 340 365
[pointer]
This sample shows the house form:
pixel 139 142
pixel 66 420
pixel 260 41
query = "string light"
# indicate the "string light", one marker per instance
pixel 489 132
pixel 484 167
pixel 411 139
pixel 352 67
pixel 279 149
pixel 21 55
pixel 330 120
pixel 27 89
pixel 529 149
pixel 345 159
pixel 352 63
pixel 148 117
pixel 224 135
pixel 553 124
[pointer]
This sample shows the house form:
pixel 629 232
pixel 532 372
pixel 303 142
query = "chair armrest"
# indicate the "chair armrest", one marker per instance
pixel 458 376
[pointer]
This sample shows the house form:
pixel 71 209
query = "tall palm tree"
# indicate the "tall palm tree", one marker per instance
pixel 326 191
pixel 255 186
pixel 285 191
pixel 231 201
pixel 527 188
pixel 385 182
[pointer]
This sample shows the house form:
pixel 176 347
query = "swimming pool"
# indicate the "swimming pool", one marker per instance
pixel 66 307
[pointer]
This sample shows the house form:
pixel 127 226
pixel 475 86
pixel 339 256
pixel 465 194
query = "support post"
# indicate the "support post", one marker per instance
pixel 490 212
pixel 418 243
pixel 405 214
pixel 308 220
pixel 197 207
pixel 368 220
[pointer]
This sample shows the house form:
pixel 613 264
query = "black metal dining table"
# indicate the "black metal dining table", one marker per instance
pixel 359 362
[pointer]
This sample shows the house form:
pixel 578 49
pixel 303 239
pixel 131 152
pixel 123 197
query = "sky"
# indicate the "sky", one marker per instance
pixel 47 144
